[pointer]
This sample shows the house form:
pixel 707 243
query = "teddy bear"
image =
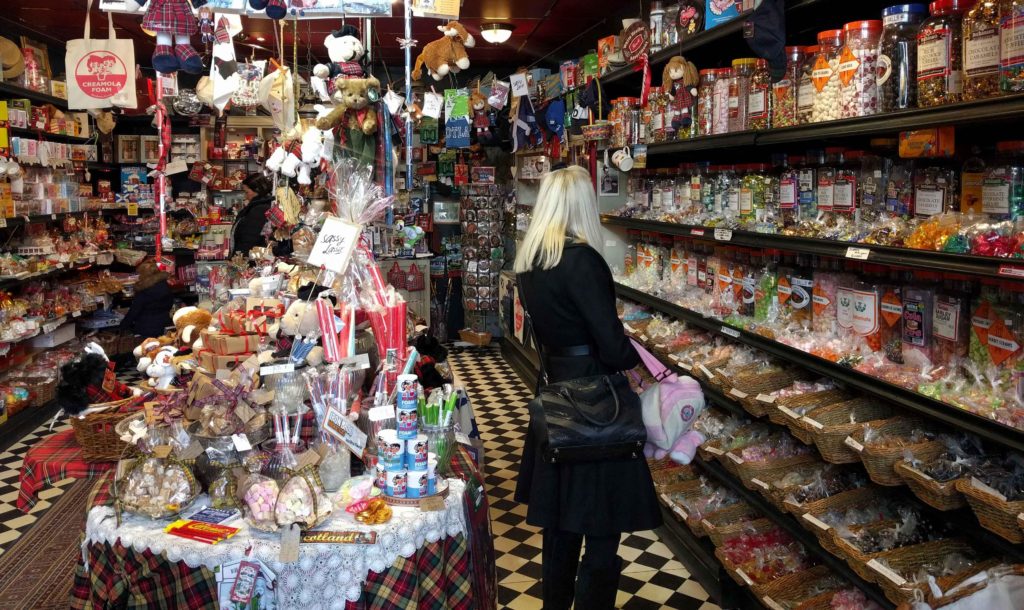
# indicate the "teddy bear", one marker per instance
pixel 145 351
pixel 162 370
pixel 355 116
pixel 346 52
pixel 300 323
pixel 174 24
pixel 679 79
pixel 446 54
pixel 189 322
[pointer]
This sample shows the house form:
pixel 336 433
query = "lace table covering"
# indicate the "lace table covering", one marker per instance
pixel 324 577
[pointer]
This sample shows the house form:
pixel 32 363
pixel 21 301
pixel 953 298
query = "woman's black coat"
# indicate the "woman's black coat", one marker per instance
pixel 150 311
pixel 248 230
pixel 574 304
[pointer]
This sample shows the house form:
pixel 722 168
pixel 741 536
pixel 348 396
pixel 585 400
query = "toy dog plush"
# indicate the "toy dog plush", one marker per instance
pixel 446 54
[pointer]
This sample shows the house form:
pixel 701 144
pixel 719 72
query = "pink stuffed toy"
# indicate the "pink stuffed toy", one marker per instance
pixel 669 409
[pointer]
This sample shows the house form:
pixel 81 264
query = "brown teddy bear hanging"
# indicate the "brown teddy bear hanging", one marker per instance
pixel 446 54
pixel 679 80
pixel 355 114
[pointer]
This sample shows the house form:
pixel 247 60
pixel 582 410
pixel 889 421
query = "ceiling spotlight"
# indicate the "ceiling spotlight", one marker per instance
pixel 496 33
pixel 260 39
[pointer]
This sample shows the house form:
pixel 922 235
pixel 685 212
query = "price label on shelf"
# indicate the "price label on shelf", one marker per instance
pixel 133 209
pixel 664 498
pixel 644 338
pixel 771 603
pixel 723 234
pixel 697 232
pixel 980 486
pixel 917 472
pixel 812 422
pixel 860 254
pixel 53 217
pixel 707 525
pixel 789 412
pixel 759 483
pixel 679 511
pixel 732 332
pixel 673 358
pixel 738 393
pixel 734 457
pixel 766 398
pixel 705 371
pixel 744 577
pixel 852 443
pixel 887 573
pixel 75 314
pixel 816 522
pixel 714 450
pixel 686 366
pixel 1011 271
pixel 3 223
pixel 629 329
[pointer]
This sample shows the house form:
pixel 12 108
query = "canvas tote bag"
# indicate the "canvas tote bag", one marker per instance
pixel 101 72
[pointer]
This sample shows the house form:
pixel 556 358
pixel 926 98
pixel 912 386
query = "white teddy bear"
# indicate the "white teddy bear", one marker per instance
pixel 300 321
pixel 162 370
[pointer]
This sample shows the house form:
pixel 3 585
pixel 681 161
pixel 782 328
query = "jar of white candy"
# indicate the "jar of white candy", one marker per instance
pixel 858 66
pixel 826 76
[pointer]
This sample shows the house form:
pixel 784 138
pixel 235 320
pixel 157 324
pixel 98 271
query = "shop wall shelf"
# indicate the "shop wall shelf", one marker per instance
pixel 987 266
pixel 45 135
pixel 14 91
pixel 901 397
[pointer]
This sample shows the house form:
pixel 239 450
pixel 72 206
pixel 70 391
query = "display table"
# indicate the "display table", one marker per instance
pixel 419 560
pixel 50 460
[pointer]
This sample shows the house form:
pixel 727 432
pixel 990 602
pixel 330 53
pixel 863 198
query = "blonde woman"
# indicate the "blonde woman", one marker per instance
pixel 567 289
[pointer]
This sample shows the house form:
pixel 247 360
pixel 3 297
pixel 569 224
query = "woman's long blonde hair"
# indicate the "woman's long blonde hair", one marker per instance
pixel 566 207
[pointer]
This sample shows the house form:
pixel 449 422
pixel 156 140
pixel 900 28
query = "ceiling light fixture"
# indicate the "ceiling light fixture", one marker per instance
pixel 496 33
pixel 260 39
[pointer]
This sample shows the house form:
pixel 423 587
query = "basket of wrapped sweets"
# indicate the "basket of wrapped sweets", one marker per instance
pixel 831 424
pixel 883 443
pixel 795 489
pixel 847 509
pixel 932 473
pixel 729 521
pixel 858 544
pixel 791 590
pixel 768 457
pixel 903 573
pixel 760 554
pixel 995 492
pixel 694 503
pixel 789 411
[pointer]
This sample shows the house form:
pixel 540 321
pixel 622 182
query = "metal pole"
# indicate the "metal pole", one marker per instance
pixel 368 43
pixel 408 94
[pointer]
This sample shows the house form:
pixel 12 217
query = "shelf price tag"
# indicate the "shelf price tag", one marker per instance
pixel 887 573
pixel 738 393
pixel 3 223
pixel 980 486
pixel 789 412
pixel 816 522
pixel 759 483
pixel 860 254
pixel 697 232
pixel 1011 271
pixel 746 579
pixel 679 511
pixel 723 234
pixel 917 472
pixel 75 314
pixel 686 366
pixel 766 398
pixel 771 603
pixel 704 369
pixel 673 358
pixel 852 443
pixel 813 423
pixel 714 450
pixel 664 498
pixel 734 457
pixel 133 209
pixel 732 332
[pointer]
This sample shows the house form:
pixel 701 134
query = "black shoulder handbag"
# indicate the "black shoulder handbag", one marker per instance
pixel 587 419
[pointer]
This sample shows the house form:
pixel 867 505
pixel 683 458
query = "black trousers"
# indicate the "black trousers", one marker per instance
pixel 593 583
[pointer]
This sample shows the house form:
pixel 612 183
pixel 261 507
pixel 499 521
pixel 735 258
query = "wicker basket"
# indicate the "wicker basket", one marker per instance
pixel 907 560
pixel 41 389
pixel 712 449
pixel 748 471
pixel 688 490
pixel 830 425
pixel 775 494
pixel 731 521
pixel 794 507
pixel 853 556
pixel 789 411
pixel 753 391
pixel 724 377
pixel 880 462
pixel 97 433
pixel 841 501
pixel 943 496
pixel 666 472
pixel 792 589
pixel 704 371
pixel 993 512
pixel 759 526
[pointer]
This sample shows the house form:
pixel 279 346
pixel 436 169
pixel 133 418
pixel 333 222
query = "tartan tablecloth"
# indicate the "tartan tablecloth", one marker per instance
pixel 50 460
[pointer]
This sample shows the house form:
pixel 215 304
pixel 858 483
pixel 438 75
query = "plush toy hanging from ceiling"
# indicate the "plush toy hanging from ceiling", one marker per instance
pixel 481 118
pixel 346 52
pixel 224 70
pixel 174 24
pixel 448 53
pixel 275 9
pixel 554 122
pixel 355 116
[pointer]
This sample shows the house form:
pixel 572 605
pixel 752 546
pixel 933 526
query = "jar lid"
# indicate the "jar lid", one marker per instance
pixel 795 50
pixel 761 63
pixel 724 72
pixel 1010 146
pixel 868 25
pixel 899 9
pixel 708 72
pixel 831 36
pixel 812 49
pixel 853 154
pixel 744 61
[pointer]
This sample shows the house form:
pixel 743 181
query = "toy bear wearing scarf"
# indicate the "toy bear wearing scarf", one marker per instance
pixel 174 24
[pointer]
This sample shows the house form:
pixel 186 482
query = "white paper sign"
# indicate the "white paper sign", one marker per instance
pixel 432 104
pixel 382 413
pixel 241 442
pixel 277 369
pixel 519 86
pixel 394 102
pixel 738 393
pixel 335 244
pixel 887 573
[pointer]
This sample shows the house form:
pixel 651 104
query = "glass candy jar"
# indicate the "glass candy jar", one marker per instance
pixel 858 69
pixel 939 55
pixel 826 76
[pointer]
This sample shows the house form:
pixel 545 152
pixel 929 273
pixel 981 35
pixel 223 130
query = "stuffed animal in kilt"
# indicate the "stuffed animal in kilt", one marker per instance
pixel 87 381
pixel 174 24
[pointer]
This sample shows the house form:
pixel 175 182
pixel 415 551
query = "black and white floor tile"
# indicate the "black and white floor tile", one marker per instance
pixel 652 577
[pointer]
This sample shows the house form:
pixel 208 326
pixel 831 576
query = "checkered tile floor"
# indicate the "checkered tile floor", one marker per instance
pixel 652 578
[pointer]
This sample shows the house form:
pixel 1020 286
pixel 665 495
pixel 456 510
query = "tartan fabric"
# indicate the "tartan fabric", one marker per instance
pixel 394 588
pixel 430 563
pixel 120 577
pixel 172 17
pixel 101 493
pixel 459 586
pixel 52 459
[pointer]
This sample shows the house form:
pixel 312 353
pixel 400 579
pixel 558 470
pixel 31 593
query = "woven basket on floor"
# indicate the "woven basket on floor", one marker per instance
pixel 731 521
pixel 862 496
pixel 97 434
pixel 943 496
pixel 792 589
pixel 880 460
pixel 906 561
pixel 754 391
pixel 789 411
pixel 993 512
pixel 830 425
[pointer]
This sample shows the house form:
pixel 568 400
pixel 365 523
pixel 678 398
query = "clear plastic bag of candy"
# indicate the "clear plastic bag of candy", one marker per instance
pixel 302 500
pixel 156 487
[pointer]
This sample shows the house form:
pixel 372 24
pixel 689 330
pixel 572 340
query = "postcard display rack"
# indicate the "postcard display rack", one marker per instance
pixel 482 215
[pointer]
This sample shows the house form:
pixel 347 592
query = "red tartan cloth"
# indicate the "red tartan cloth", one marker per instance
pixel 50 460
pixel 170 16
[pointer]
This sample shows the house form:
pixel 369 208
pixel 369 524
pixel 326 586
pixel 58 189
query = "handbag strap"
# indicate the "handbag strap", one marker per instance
pixel 88 20
pixel 657 369
pixel 542 376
